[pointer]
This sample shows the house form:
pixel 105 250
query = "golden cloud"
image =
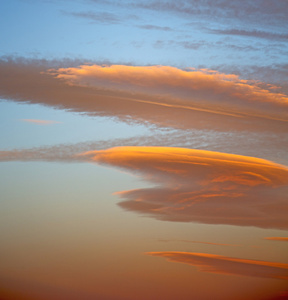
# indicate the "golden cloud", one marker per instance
pixel 161 95
pixel 202 186
pixel 212 263
pixel 204 90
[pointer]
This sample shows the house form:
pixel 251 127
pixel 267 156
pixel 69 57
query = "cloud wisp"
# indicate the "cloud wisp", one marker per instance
pixel 97 17
pixel 275 238
pixel 251 33
pixel 202 186
pixel 219 264
pixel 160 95
pixel 40 122
pixel 259 11
pixel 198 242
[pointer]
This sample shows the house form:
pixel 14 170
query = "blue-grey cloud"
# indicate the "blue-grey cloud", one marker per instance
pixel 251 33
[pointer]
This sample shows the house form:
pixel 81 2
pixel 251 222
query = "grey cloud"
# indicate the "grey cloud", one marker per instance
pixel 251 33
pixel 263 11
pixel 155 27
pixel 98 17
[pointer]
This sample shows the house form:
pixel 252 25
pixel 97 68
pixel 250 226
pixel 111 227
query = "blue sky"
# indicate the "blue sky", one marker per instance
pixel 143 149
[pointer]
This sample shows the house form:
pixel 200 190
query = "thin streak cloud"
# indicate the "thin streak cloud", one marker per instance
pixel 198 242
pixel 97 17
pixel 251 33
pixel 155 27
pixel 212 263
pixel 40 122
pixel 282 239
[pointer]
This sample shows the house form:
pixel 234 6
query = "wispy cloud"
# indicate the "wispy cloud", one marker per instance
pixel 258 11
pixel 212 263
pixel 197 242
pixel 282 239
pixel 251 33
pixel 202 186
pixel 98 17
pixel 229 142
pixel 40 122
pixel 155 27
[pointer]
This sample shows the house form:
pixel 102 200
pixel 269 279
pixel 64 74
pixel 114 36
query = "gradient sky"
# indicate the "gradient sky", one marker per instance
pixel 143 149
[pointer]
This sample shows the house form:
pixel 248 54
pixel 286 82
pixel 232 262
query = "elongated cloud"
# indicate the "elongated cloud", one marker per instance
pixel 284 239
pixel 165 96
pixel 203 186
pixel 252 33
pixel 207 90
pixel 212 263
pixel 40 122
pixel 198 242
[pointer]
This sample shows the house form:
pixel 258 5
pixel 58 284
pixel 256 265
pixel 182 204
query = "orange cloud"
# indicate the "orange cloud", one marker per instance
pixel 212 263
pixel 203 186
pixel 198 242
pixel 161 95
pixel 40 122
pixel 284 239
pixel 204 90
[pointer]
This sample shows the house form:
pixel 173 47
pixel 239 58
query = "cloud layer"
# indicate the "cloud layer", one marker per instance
pixel 160 95
pixel 212 263
pixel 202 186
pixel 203 90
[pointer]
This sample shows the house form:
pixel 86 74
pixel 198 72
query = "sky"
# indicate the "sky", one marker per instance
pixel 143 150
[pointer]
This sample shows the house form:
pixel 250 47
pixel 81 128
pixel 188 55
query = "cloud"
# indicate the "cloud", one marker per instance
pixel 198 242
pixel 98 17
pixel 202 90
pixel 283 239
pixel 212 263
pixel 40 122
pixel 229 142
pixel 256 12
pixel 202 186
pixel 251 33
pixel 160 95
pixel 155 27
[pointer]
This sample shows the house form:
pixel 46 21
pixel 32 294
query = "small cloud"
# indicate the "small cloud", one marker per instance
pixel 198 242
pixel 283 239
pixel 98 17
pixel 40 122
pixel 155 27
pixel 219 264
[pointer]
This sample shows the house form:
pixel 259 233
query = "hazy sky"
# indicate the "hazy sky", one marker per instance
pixel 133 131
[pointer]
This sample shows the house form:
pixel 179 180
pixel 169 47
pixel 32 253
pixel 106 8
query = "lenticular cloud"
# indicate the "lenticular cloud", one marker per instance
pixel 202 186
